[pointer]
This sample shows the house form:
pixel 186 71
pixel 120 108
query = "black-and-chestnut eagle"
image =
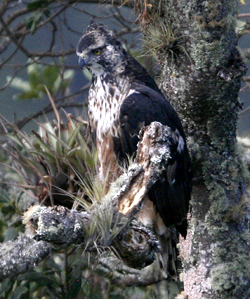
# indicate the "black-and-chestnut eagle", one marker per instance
pixel 123 98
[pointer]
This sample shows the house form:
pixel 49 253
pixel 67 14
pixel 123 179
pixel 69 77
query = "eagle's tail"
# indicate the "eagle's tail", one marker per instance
pixel 168 254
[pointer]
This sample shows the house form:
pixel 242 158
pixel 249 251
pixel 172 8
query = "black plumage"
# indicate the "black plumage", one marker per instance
pixel 122 99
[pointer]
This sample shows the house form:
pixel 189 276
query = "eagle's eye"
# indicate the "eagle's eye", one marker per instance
pixel 96 52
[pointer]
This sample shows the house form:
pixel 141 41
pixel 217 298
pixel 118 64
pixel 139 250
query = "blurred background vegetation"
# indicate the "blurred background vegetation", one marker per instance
pixel 37 47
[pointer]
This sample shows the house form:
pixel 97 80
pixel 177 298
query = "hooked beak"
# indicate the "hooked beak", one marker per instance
pixel 82 62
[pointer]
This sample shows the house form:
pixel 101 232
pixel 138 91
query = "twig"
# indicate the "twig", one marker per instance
pixel 243 15
pixel 52 101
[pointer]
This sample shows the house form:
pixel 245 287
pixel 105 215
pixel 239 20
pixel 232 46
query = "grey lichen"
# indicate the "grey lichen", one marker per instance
pixel 21 255
pixel 56 225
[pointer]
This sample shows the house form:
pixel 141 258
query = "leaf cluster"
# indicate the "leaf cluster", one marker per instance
pixel 40 76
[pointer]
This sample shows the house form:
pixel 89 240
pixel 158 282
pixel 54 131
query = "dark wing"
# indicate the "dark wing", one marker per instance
pixel 171 192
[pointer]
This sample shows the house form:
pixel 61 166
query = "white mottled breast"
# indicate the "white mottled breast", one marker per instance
pixel 105 100
pixel 104 105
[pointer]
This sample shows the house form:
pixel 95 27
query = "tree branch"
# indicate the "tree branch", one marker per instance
pixel 21 255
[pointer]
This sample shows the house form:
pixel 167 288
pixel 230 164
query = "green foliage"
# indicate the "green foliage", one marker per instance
pixel 40 76
pixel 33 20
pixel 58 159
pixel 38 4
pixel 10 215
pixel 12 201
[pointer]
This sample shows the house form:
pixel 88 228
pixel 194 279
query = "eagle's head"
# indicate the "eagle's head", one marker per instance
pixel 100 51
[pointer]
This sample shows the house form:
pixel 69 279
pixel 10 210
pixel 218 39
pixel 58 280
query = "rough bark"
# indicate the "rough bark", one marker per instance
pixel 195 42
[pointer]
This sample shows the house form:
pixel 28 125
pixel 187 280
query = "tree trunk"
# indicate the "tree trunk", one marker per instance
pixel 195 43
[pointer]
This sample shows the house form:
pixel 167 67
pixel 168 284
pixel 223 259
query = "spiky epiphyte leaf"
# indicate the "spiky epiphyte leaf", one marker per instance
pixel 56 158
pixel 160 39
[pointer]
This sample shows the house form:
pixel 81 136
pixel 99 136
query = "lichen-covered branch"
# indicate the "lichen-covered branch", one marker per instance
pixel 61 227
pixel 57 225
pixel 21 255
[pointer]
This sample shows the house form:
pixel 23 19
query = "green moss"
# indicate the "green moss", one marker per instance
pixel 239 210
pixel 228 277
